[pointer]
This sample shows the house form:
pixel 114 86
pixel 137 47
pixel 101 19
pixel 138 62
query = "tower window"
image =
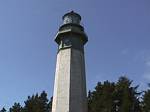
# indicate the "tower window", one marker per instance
pixel 67 42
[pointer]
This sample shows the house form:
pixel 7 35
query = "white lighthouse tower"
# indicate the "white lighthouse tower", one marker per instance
pixel 70 80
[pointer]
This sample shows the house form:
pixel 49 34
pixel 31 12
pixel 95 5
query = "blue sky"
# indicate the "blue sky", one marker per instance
pixel 119 43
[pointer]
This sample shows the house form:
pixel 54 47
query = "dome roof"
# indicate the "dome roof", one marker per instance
pixel 72 13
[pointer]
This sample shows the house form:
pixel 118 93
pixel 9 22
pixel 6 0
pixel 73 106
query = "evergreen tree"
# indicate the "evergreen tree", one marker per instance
pixel 16 108
pixel 43 102
pixel 146 101
pixel 50 105
pixel 89 101
pixel 37 103
pixel 101 100
pixel 3 110
pixel 114 97
pixel 31 104
pixel 127 96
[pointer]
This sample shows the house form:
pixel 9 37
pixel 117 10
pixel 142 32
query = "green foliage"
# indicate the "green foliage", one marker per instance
pixel 146 101
pixel 127 95
pixel 50 105
pixel 37 103
pixel 101 100
pixel 3 110
pixel 114 97
pixel 16 108
pixel 121 96
pixel 34 103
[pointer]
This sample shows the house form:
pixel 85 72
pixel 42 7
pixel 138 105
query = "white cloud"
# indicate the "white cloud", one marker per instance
pixel 144 58
pixel 147 62
pixel 147 75
pixel 124 51
pixel 147 66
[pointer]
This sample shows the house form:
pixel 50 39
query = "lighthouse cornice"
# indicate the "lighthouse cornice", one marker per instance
pixel 70 26
pixel 71 31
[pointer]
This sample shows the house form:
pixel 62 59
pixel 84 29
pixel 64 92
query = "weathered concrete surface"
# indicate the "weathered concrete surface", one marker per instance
pixel 78 99
pixel 62 82
pixel 70 82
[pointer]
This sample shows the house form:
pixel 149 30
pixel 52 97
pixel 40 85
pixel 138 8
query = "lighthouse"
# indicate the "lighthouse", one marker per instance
pixel 70 93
